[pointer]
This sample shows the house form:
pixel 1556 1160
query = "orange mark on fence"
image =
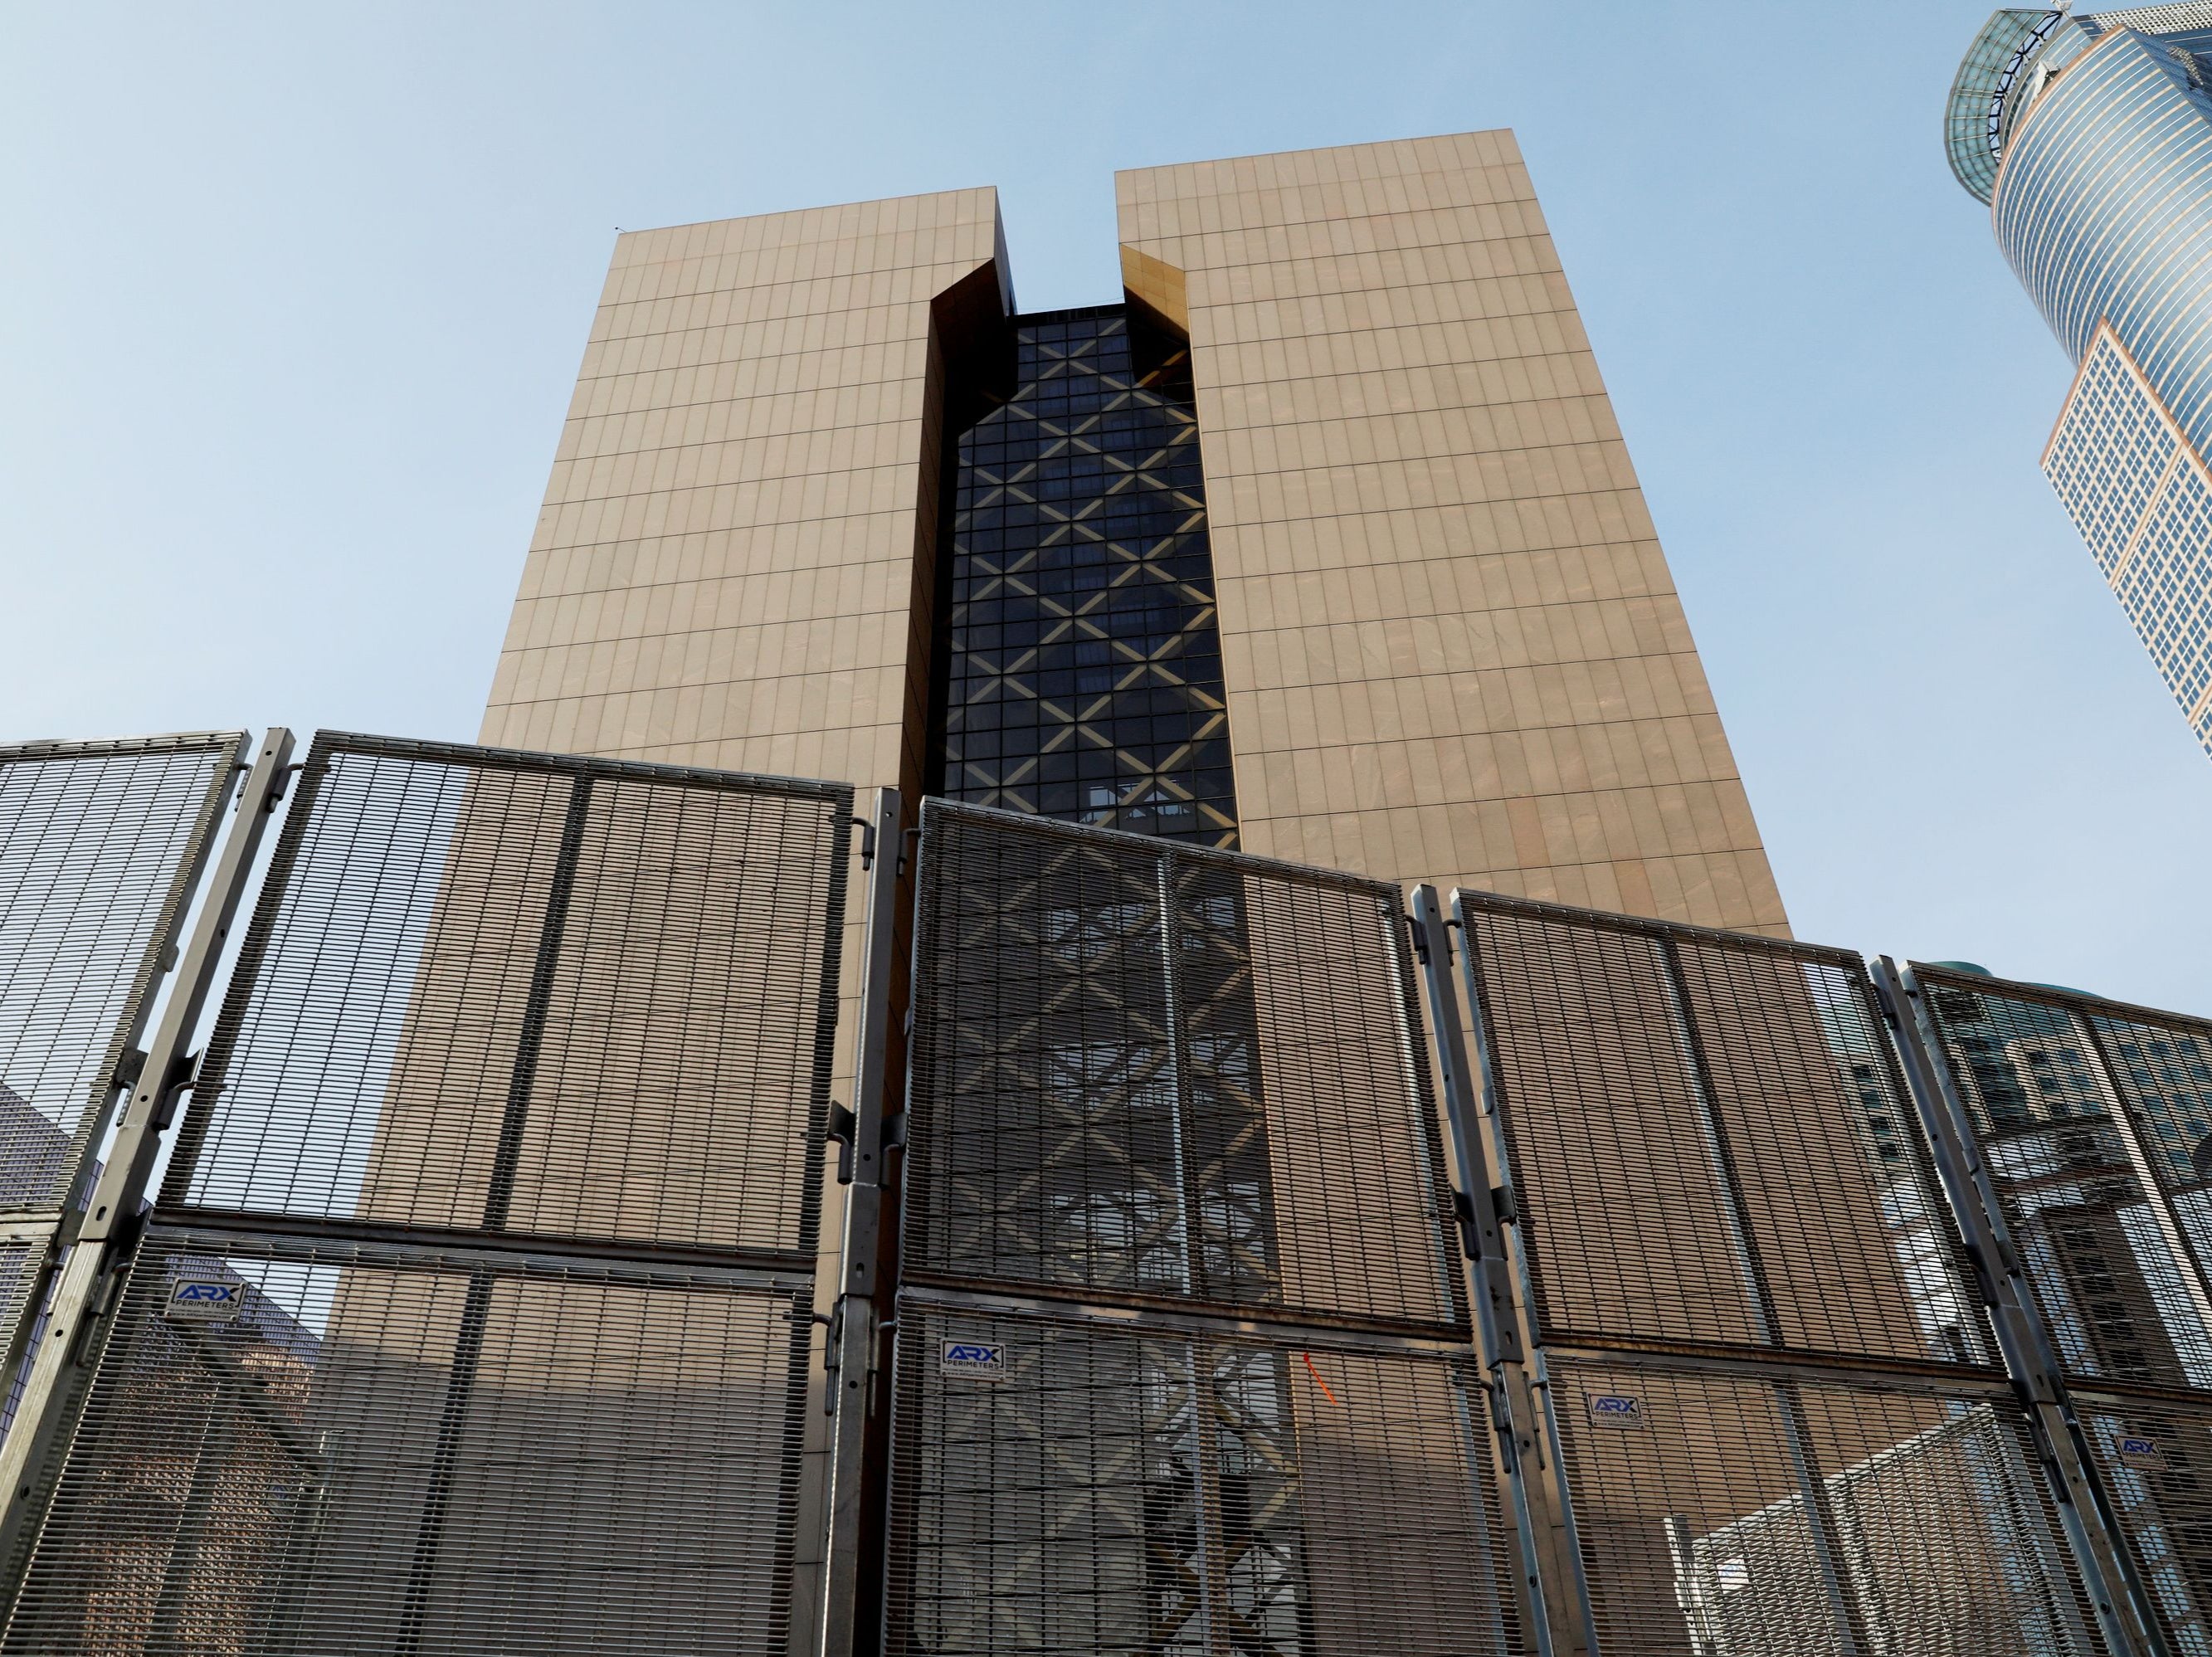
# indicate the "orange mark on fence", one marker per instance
pixel 1318 1381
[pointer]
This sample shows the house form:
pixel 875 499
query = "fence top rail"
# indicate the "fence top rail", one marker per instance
pixel 328 743
pixel 317 1230
pixel 1148 1323
pixel 937 809
pixel 162 1238
pixel 174 741
pixel 2059 999
pixel 2104 1394
pixel 1767 1365
pixel 1681 931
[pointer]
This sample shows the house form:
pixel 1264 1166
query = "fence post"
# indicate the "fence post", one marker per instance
pixel 1499 1340
pixel 852 1329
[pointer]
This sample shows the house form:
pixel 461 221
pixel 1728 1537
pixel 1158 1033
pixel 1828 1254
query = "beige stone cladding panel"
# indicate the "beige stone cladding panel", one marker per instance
pixel 723 570
pixel 1453 647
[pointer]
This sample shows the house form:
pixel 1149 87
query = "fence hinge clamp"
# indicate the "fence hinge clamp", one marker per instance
pixel 842 1126
pixel 183 1077
pixel 128 1070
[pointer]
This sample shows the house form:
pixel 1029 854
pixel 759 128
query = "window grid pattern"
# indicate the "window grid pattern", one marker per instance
pixel 1084 679
pixel 2103 207
pixel 2151 19
pixel 2110 454
pixel 2168 591
pixel 2142 502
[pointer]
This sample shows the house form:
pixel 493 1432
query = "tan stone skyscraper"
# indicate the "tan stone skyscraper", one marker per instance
pixel 1322 542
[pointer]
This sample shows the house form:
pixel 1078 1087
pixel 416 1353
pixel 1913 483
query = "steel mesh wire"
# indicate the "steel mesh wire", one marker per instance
pixel 1711 1142
pixel 2154 1459
pixel 2091 1119
pixel 615 1469
pixel 1140 1070
pixel 1734 1515
pixel 2163 1070
pixel 97 840
pixel 531 994
pixel 1121 1491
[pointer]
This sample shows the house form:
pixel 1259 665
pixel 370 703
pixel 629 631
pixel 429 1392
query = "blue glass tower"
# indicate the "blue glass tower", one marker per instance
pixel 2091 139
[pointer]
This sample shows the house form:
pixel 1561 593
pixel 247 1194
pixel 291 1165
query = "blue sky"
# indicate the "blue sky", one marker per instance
pixel 294 298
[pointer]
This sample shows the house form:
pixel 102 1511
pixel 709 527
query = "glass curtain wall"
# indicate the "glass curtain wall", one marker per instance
pixel 1081 666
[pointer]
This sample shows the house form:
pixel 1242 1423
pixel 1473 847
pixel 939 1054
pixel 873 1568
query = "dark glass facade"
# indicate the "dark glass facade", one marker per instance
pixel 1079 661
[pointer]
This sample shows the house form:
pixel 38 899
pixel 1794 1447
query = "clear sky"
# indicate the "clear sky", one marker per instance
pixel 294 297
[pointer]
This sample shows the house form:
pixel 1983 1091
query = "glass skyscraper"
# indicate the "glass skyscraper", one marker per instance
pixel 2091 138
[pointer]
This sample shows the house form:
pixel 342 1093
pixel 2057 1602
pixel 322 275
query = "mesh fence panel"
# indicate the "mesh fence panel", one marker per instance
pixel 1140 1069
pixel 2154 1458
pixel 1736 1515
pixel 1671 1100
pixel 328 1471
pixel 507 1143
pixel 2094 1124
pixel 531 994
pixel 1175 1084
pixel 97 840
pixel 1122 1492
pixel 2092 1121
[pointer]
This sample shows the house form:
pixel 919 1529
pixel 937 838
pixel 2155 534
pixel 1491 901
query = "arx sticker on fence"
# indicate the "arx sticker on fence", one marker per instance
pixel 2142 1452
pixel 205 1299
pixel 973 1360
pixel 1616 1409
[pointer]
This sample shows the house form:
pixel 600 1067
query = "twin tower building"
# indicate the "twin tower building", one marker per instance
pixel 1319 541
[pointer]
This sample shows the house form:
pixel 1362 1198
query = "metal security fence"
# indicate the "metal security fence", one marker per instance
pixel 1669 1099
pixel 476 1310
pixel 1277 1272
pixel 2090 1129
pixel 102 845
pixel 1141 1072
pixel 1762 1403
pixel 1184 1356
pixel 1111 1490
pixel 2153 1458
pixel 288 1471
pixel 531 993
pixel 2094 1123
pixel 1725 1513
